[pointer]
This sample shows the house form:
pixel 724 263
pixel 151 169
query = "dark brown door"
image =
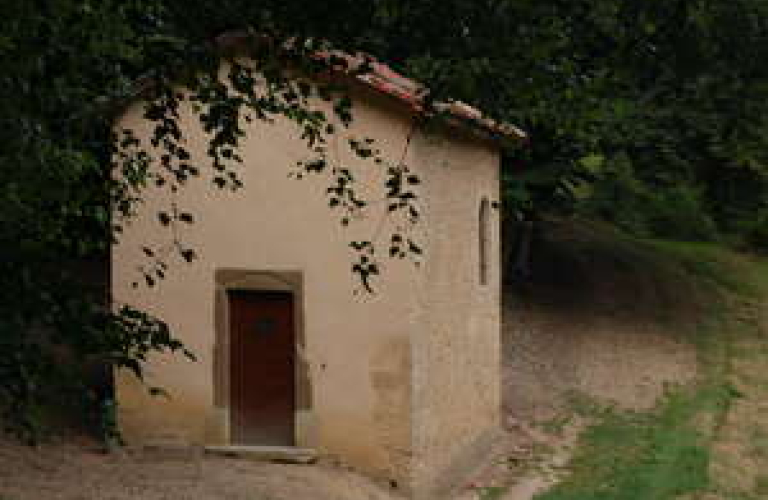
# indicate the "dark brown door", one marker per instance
pixel 261 368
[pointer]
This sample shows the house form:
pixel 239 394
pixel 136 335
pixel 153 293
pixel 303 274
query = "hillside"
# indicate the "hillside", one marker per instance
pixel 634 370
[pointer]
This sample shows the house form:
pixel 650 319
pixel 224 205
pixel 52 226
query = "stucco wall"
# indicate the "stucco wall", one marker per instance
pixel 380 375
pixel 457 343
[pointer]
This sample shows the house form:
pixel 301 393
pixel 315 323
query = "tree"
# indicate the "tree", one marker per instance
pixel 673 89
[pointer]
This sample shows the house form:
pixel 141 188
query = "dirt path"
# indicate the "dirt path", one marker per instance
pixel 733 427
pixel 68 471
pixel 739 467
pixel 553 354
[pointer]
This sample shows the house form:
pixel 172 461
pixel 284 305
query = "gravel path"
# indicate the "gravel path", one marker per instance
pixel 76 471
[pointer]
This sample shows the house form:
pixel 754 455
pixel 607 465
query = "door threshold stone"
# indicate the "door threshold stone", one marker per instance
pixel 285 454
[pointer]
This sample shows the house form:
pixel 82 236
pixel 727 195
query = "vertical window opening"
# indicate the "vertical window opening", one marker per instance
pixel 483 240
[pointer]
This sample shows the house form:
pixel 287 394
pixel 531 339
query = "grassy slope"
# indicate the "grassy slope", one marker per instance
pixel 683 447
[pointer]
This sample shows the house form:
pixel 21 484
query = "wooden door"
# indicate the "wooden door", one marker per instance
pixel 262 353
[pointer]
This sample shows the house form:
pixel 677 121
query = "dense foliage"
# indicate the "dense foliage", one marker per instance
pixel 650 114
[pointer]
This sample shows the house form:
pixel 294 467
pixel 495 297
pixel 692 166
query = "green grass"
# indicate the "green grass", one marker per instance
pixel 490 493
pixel 657 455
pixel 759 441
pixel 665 453
pixel 761 486
pixel 710 264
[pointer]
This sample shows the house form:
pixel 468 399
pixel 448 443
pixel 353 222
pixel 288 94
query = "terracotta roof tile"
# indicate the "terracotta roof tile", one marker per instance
pixel 386 80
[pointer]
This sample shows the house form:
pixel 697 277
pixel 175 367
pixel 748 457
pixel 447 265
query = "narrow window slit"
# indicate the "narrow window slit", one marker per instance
pixel 484 239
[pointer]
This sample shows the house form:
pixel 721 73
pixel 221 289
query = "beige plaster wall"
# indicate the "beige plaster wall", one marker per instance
pixel 456 360
pixel 379 375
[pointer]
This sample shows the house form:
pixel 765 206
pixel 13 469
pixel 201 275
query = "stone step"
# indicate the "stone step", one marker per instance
pixel 287 454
